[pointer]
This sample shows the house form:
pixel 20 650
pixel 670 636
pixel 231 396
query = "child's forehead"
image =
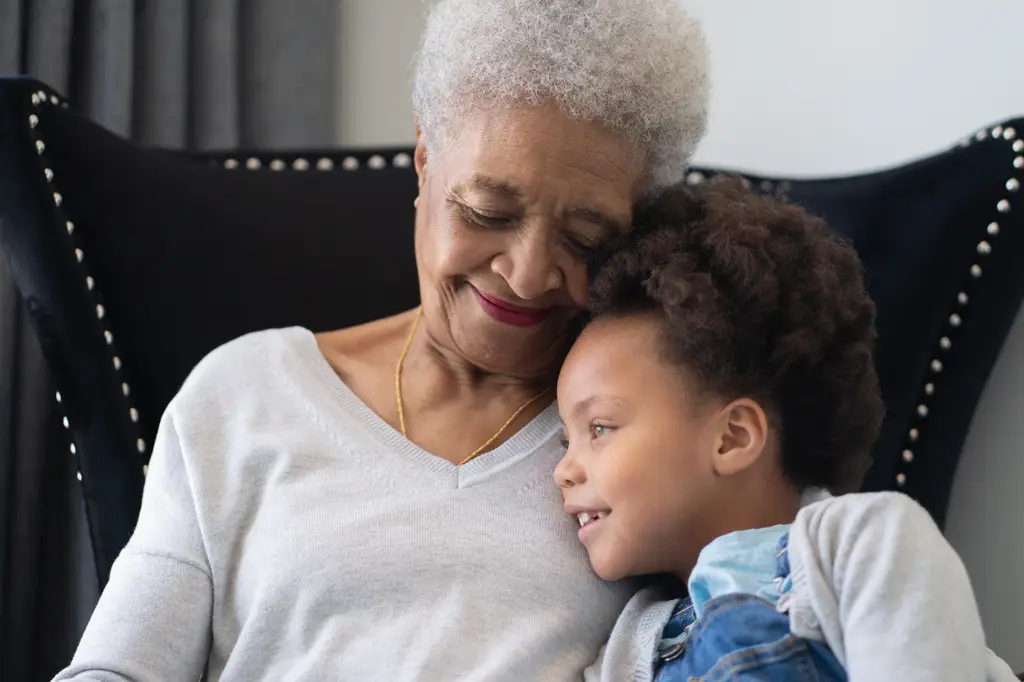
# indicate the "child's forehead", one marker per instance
pixel 616 356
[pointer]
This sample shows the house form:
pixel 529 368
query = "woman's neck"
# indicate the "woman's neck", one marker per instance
pixel 446 374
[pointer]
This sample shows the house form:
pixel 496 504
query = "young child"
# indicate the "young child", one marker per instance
pixel 726 373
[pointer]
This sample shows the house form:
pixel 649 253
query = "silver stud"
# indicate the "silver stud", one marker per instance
pixel 1009 134
pixel 936 366
pixel 100 311
pixel 1012 185
pixel 401 160
pixel 981 135
pixel 134 414
pixel 231 164
pixel 35 99
pixel 117 363
pixel 145 470
pixel 376 162
pixel 33 120
pixel 350 163
pixel 57 199
pixel 79 255
pixel 90 283
pixel 54 100
pixel 108 337
pixel 767 186
pixel 40 146
pixel 277 165
pixel 1018 162
pixel 324 164
pixel 1018 146
pixel 66 423
pixel 49 174
pixel 908 456
pixel 694 178
pixel 965 142
pixel 1003 206
pixel 962 298
pixel 253 164
pixel 945 343
pixel 929 389
pixel 79 475
pixel 300 165
pixel 901 480
pixel 59 398
pixel 125 389
pixel 74 450
pixel 993 228
pixel 922 410
pixel 997 131
pixel 914 435
pixel 984 248
pixel 140 445
pixel 975 271
pixel 954 320
pixel 70 227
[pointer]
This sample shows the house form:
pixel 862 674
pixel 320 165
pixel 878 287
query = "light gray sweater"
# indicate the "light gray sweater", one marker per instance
pixel 873 578
pixel 288 533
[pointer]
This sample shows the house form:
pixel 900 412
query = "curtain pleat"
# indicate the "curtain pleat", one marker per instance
pixel 287 78
pixel 10 36
pixel 215 99
pixel 107 69
pixel 48 48
pixel 161 82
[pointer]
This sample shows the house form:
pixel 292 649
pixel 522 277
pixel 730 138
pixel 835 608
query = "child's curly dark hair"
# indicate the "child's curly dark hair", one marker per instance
pixel 759 300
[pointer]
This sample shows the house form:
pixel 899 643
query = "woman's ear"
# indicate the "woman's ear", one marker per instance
pixel 742 437
pixel 420 156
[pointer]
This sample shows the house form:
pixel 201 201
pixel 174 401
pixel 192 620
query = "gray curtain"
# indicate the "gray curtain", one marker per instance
pixel 188 74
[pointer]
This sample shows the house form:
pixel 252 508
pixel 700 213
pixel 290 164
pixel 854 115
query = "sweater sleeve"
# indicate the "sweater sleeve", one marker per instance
pixel 875 579
pixel 152 623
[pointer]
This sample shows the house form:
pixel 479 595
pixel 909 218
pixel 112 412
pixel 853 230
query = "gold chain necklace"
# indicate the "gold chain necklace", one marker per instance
pixel 401 407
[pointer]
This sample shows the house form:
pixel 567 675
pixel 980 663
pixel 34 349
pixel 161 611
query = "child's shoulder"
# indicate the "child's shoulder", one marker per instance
pixel 864 507
pixel 868 521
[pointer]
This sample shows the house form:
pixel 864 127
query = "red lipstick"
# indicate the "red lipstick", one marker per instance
pixel 509 313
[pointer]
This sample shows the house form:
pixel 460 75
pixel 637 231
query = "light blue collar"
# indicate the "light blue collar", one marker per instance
pixel 742 562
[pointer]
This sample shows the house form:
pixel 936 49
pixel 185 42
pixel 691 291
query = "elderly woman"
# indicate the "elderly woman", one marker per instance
pixel 376 503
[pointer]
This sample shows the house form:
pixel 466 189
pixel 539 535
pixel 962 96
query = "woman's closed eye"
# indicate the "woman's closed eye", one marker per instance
pixel 580 246
pixel 487 220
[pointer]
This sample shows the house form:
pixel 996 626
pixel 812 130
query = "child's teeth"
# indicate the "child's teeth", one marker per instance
pixel 584 518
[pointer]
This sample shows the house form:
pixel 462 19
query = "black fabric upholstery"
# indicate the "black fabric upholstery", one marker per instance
pixel 186 254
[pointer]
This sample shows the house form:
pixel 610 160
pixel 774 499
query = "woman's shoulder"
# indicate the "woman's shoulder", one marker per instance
pixel 235 368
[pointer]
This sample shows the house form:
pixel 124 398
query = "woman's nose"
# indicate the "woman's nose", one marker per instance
pixel 529 265
pixel 568 472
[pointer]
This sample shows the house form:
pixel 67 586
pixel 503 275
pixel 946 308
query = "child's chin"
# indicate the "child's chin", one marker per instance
pixel 607 568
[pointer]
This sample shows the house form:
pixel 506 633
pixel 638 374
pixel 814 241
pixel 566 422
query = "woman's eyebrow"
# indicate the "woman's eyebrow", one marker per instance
pixel 488 184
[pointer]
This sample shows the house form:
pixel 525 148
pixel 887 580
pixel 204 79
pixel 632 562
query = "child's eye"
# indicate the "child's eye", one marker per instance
pixel 598 430
pixel 565 443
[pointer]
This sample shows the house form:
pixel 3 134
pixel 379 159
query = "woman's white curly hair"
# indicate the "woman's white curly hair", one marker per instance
pixel 639 67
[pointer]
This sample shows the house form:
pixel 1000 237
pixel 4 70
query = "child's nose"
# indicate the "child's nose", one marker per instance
pixel 568 472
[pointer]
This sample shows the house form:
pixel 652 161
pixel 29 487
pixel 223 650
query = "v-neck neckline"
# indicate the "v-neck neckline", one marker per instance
pixel 537 432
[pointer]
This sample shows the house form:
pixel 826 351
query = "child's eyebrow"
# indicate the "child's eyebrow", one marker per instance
pixel 584 405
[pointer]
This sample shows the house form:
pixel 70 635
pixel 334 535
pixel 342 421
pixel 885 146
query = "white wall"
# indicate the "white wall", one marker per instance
pixel 806 87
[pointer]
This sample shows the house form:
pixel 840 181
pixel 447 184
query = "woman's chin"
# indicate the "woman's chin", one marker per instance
pixel 526 352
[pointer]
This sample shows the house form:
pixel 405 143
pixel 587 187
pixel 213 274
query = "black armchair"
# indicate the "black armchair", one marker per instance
pixel 135 263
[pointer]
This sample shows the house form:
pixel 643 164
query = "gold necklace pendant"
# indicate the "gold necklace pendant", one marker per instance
pixel 401 404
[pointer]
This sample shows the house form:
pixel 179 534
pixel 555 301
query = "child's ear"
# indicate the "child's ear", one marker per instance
pixel 742 436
